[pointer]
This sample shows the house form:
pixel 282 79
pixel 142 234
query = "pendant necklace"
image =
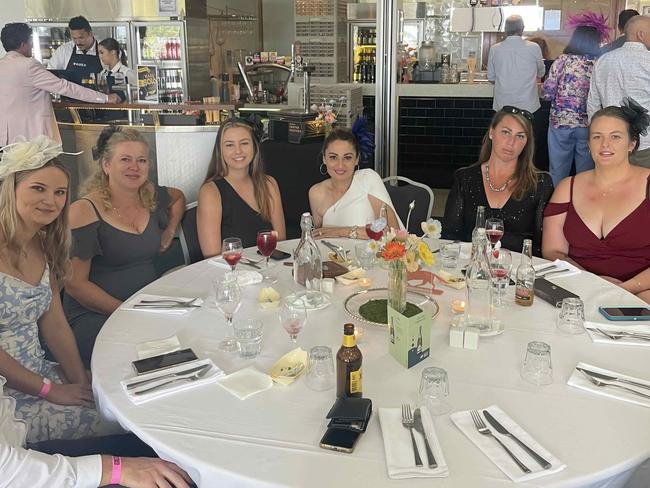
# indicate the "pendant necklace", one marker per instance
pixel 130 224
pixel 502 187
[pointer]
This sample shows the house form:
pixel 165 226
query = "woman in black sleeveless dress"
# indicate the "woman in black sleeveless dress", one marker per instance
pixel 237 199
pixel 117 230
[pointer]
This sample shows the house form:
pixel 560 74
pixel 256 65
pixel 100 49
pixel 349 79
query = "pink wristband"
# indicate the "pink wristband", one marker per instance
pixel 116 472
pixel 45 389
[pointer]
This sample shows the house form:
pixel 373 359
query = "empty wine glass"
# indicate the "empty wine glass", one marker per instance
pixel 266 242
pixel 228 300
pixel 293 315
pixel 500 267
pixel 231 250
pixel 494 230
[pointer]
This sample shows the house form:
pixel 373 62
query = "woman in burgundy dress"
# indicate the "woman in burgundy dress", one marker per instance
pixel 600 219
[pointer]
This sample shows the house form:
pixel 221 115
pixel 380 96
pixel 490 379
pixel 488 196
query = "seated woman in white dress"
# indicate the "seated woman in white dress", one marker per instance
pixel 344 203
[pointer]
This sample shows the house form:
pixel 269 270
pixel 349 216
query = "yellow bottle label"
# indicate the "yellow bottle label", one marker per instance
pixel 355 381
pixel 349 340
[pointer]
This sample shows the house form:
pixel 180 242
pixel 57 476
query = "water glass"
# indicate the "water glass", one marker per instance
pixel 434 390
pixel 537 368
pixel 293 316
pixel 500 267
pixel 365 256
pixel 449 254
pixel 571 318
pixel 248 334
pixel 228 300
pixel 320 374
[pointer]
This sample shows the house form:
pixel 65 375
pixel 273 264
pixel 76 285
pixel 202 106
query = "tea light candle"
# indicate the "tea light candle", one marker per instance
pixel 458 306
pixel 365 282
pixel 358 333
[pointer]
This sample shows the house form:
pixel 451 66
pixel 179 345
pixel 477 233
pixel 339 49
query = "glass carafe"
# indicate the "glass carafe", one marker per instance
pixel 478 306
pixel 307 259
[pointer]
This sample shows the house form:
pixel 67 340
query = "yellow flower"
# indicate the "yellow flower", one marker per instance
pixel 425 254
pixel 412 264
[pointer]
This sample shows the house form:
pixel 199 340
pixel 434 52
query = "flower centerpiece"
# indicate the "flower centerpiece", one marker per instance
pixel 327 113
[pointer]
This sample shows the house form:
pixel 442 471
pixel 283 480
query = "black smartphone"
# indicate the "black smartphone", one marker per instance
pixel 278 255
pixel 342 440
pixel 625 313
pixel 163 361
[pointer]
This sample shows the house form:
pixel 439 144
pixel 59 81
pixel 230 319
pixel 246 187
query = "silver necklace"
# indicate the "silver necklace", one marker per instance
pixel 487 177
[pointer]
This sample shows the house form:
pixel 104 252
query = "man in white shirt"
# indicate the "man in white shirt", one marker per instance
pixel 21 467
pixel 514 66
pixel 80 55
pixel 625 72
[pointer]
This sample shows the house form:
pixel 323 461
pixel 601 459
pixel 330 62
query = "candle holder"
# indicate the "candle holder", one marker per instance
pixel 365 282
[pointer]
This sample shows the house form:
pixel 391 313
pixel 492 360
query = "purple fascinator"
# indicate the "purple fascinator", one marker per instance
pixel 591 19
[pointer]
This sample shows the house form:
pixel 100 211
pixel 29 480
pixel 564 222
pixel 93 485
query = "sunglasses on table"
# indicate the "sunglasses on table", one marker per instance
pixel 519 111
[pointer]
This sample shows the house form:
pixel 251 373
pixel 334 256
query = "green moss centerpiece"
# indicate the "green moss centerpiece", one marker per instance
pixel 377 311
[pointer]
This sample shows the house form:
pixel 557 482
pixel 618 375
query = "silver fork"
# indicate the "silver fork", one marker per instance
pixel 599 383
pixel 193 377
pixel 482 429
pixel 621 335
pixel 408 422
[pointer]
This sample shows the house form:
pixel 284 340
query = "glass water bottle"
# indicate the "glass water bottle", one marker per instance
pixel 307 260
pixel 524 289
pixel 478 306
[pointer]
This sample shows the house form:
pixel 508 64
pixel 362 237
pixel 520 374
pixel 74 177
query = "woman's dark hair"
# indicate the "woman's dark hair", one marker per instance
pixel 636 118
pixel 585 40
pixel 111 44
pixel 79 23
pixel 14 35
pixel 341 134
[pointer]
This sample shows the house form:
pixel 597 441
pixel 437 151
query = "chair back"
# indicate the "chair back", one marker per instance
pixel 189 236
pixel 403 193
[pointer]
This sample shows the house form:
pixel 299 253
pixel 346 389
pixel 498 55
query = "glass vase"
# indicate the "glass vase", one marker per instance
pixel 397 284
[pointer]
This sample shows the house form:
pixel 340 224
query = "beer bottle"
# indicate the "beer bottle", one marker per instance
pixel 348 366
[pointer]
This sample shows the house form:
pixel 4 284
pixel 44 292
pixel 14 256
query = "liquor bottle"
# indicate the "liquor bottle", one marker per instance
pixel 348 366
pixel 364 68
pixel 524 289
pixel 357 73
pixel 371 70
pixel 307 260
pixel 478 279
pixel 480 220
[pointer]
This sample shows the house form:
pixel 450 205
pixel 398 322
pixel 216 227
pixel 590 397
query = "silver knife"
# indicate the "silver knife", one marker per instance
pixel 607 377
pixel 162 306
pixel 130 386
pixel 552 272
pixel 548 267
pixel 502 430
pixel 337 249
pixel 250 263
pixel 417 424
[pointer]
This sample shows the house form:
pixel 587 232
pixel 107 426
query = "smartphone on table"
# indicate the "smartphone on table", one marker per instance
pixel 342 440
pixel 278 255
pixel 625 313
pixel 163 361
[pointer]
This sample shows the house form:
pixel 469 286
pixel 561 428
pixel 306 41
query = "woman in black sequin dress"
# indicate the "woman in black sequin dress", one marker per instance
pixel 505 181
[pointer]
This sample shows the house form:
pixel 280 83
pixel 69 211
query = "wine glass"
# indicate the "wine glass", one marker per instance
pixel 293 315
pixel 266 242
pixel 494 230
pixel 500 267
pixel 375 235
pixel 228 300
pixel 231 250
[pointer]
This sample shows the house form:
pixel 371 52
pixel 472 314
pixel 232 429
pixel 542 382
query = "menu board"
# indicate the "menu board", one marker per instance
pixel 147 84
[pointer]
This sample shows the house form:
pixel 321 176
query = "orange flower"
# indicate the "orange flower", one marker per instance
pixel 393 250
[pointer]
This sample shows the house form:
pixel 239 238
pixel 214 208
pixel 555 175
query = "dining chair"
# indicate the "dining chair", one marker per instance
pixel 402 192
pixel 189 236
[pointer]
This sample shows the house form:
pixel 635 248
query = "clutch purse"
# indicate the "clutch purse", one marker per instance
pixel 552 293
pixel 350 414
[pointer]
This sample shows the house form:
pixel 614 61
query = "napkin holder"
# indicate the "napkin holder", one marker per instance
pixel 409 337
pixel 552 293
pixel 350 414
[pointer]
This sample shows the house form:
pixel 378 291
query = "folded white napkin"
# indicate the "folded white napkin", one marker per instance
pixel 351 277
pixel 162 376
pixel 149 349
pixel 578 380
pixel 400 460
pixel 128 305
pixel 246 382
pixel 498 455
pixel 245 277
pixel 559 265
pixel 610 326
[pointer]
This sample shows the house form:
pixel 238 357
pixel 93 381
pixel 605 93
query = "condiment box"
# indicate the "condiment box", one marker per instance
pixel 409 337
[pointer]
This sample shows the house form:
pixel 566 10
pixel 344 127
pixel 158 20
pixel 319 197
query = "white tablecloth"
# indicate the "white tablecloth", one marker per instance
pixel 271 439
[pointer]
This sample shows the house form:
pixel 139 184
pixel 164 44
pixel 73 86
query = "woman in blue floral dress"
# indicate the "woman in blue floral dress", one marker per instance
pixel 55 400
pixel 567 87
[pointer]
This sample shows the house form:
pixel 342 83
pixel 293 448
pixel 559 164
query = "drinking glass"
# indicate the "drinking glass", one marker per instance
pixel 320 375
pixel 365 256
pixel 434 390
pixel 266 242
pixel 375 234
pixel 500 267
pixel 494 230
pixel 231 250
pixel 249 337
pixel 449 254
pixel 537 368
pixel 293 315
pixel 228 300
pixel 571 318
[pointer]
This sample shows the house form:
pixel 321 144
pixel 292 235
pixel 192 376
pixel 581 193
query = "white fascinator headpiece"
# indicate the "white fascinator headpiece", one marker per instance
pixel 26 155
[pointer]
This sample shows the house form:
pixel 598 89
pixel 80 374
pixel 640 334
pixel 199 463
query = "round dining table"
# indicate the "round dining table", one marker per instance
pixel 272 438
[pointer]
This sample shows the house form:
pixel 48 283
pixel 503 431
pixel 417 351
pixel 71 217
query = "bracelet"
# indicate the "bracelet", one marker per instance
pixel 353 232
pixel 116 471
pixel 45 389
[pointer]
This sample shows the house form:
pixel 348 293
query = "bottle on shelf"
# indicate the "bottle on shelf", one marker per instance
pixel 478 280
pixel 307 259
pixel 525 283
pixel 348 366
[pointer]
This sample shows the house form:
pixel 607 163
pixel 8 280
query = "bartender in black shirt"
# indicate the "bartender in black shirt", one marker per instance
pixel 80 56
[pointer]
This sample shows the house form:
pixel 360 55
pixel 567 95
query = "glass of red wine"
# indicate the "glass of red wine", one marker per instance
pixel 231 250
pixel 494 230
pixel 375 234
pixel 500 267
pixel 266 242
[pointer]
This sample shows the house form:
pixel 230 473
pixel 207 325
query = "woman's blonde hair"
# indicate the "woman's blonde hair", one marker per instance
pixel 525 175
pixel 55 237
pixel 104 151
pixel 218 167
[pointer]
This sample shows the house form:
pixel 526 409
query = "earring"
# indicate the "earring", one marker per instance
pixel 323 166
pixel 356 167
